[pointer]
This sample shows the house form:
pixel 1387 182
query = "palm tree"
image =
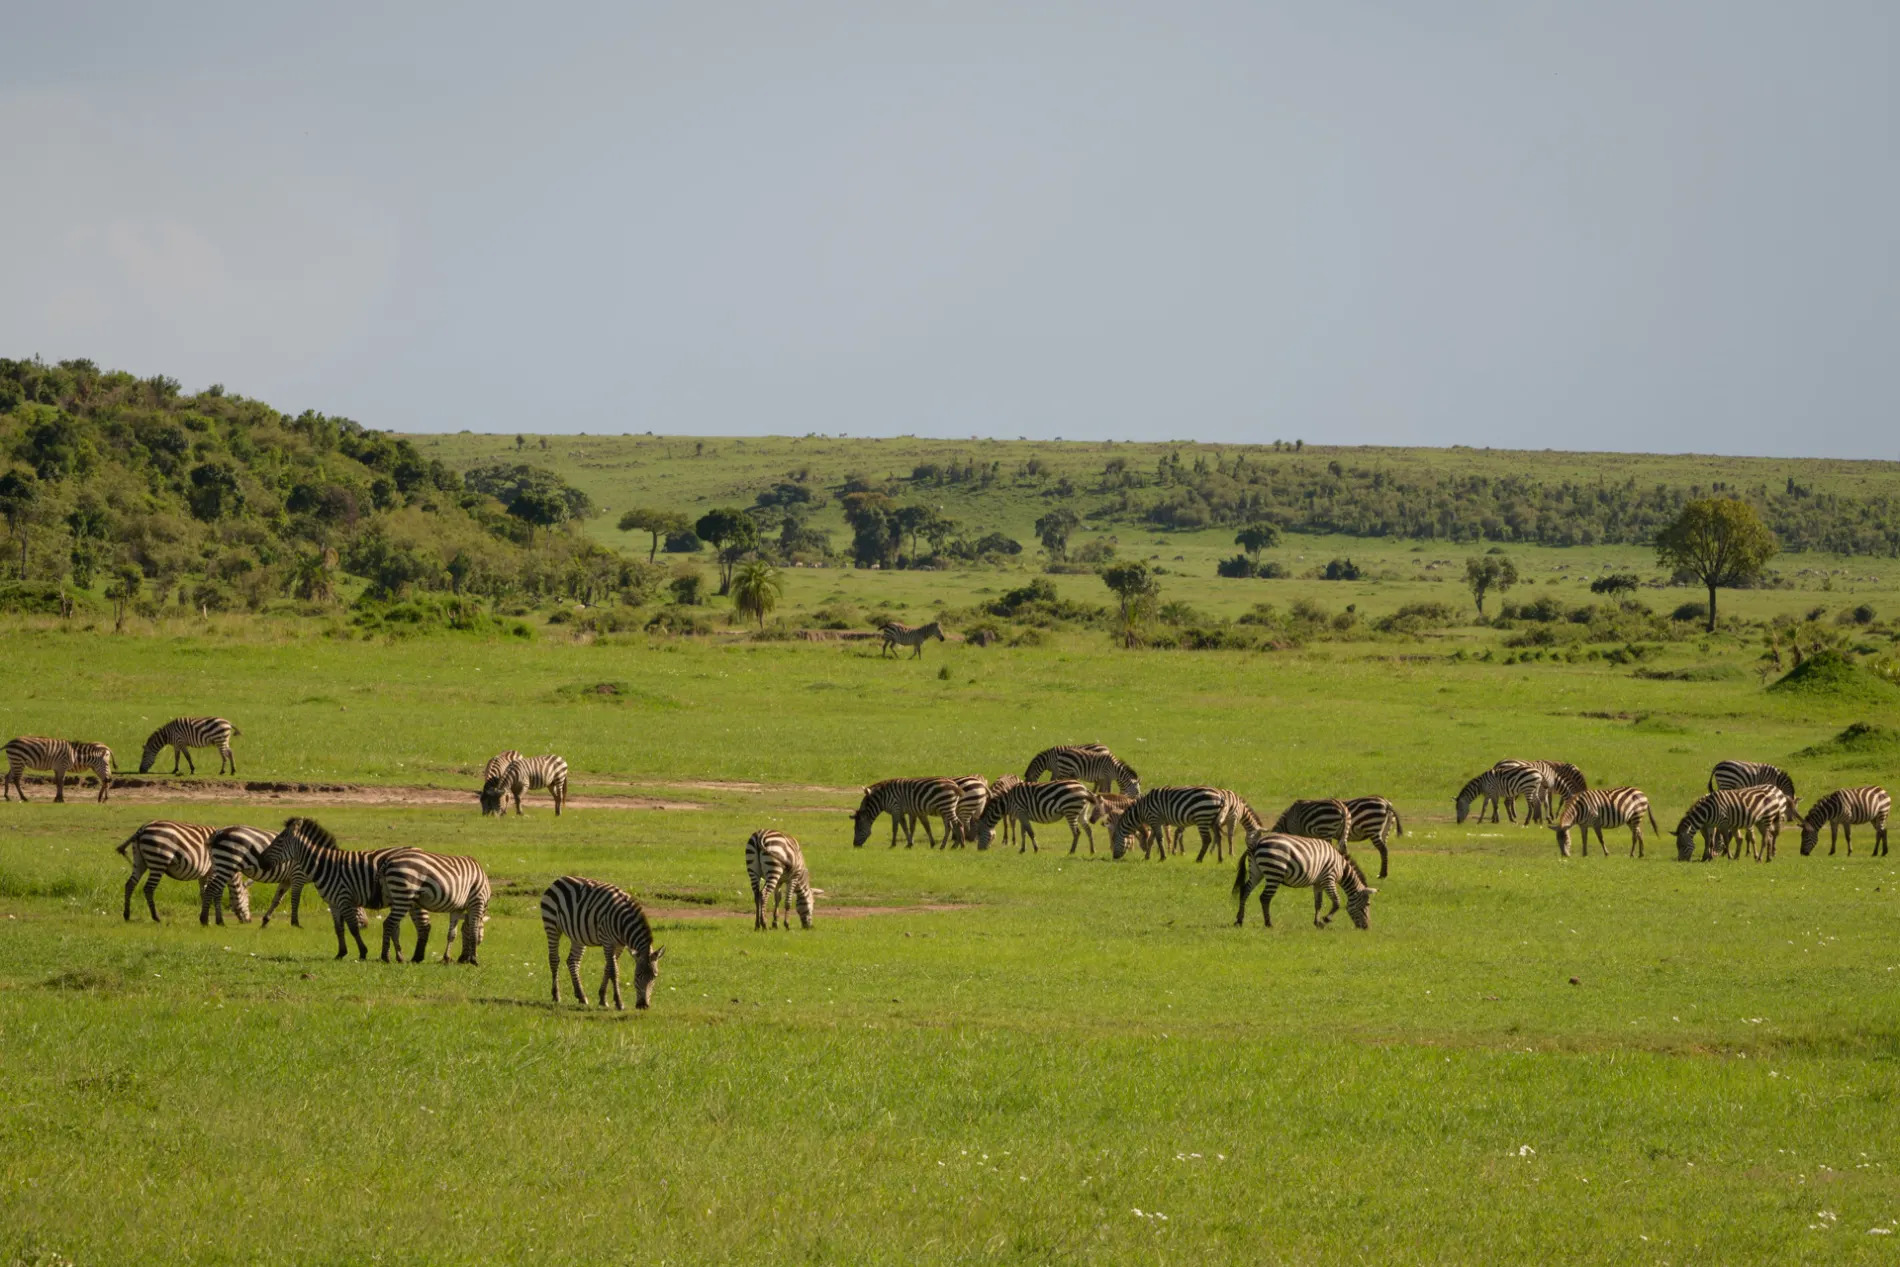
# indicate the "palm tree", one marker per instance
pixel 756 588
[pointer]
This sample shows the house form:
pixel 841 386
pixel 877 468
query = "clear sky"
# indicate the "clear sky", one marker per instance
pixel 1612 224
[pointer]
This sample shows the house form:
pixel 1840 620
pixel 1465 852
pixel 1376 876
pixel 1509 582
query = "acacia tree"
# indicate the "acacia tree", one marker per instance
pixel 661 523
pixel 1137 590
pixel 1053 530
pixel 756 589
pixel 1487 572
pixel 1720 541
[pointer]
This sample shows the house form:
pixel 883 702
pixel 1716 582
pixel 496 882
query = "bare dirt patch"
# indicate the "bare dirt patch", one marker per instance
pixel 145 790
pixel 824 912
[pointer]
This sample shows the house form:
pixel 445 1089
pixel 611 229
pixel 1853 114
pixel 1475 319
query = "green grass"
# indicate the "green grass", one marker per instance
pixel 1009 1065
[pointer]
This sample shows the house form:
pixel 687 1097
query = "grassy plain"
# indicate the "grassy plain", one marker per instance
pixel 1016 1059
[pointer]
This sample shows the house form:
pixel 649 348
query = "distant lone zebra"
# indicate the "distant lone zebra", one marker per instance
pixel 1274 860
pixel 898 634
pixel 1840 811
pixel 1091 763
pixel 1604 807
pixel 1375 819
pixel 164 848
pixel 1499 785
pixel 590 913
pixel 775 864
pixel 1734 774
pixel 60 757
pixel 416 882
pixel 523 774
pixel 182 734
pixel 909 801
pixel 1028 803
pixel 1164 807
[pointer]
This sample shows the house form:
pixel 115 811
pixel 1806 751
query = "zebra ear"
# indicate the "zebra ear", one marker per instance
pixel 659 953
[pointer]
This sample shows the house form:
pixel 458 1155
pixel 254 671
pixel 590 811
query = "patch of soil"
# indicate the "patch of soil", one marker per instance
pixel 143 789
pixel 824 912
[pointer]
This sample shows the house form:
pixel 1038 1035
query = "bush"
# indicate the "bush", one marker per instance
pixel 1340 570
pixel 686 541
pixel 1417 617
pixel 1240 566
pixel 673 620
pixel 1690 611
pixel 688 587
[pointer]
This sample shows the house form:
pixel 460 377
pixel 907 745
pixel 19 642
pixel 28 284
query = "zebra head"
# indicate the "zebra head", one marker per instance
pixel 862 819
pixel 1565 821
pixel 986 822
pixel 241 898
pixel 1125 775
pixel 646 970
pixel 295 840
pixel 1358 892
pixel 1466 795
pixel 490 796
pixel 802 895
pixel 153 746
pixel 1811 829
pixel 1118 835
pixel 1685 838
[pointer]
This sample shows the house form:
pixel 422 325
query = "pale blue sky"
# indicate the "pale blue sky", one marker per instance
pixel 1600 224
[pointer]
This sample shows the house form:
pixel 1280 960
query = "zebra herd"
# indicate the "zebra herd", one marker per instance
pixel 61 757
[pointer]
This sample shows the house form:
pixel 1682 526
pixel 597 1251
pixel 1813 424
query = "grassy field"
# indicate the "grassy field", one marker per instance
pixel 975 1056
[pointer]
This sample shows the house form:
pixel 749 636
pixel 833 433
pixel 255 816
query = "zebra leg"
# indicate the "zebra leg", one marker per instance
pixel 59 787
pixel 1267 890
pixel 224 755
pixel 420 918
pixel 1075 835
pixel 189 763
pixel 1029 835
pixel 612 976
pixel 342 946
pixel 758 908
pixel 130 884
pixel 573 969
pixel 930 833
pixel 151 886
pixel 210 898
pixel 1378 842
pixel 1847 830
pixel 1205 840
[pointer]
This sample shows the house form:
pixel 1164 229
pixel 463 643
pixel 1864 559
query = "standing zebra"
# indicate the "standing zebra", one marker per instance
pixel 1317 819
pixel 1734 774
pixel 1029 803
pixel 898 634
pixel 58 756
pixel 590 913
pixel 234 864
pixel 1274 860
pixel 1235 813
pixel 522 774
pixel 1001 784
pixel 1092 764
pixel 164 848
pixel 182 734
pixel 973 796
pixel 1375 819
pixel 1556 779
pixel 1165 807
pixel 1500 785
pixel 496 767
pixel 1108 809
pixel 416 882
pixel 1604 807
pixel 1840 811
pixel 908 801
pixel 1724 816
pixel 498 763
pixel 774 863
pixel 350 879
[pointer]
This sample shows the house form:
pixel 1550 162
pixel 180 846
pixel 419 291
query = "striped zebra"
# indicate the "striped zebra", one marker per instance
pixel 234 864
pixel 417 882
pixel 590 913
pixel 1375 819
pixel 182 734
pixel 164 848
pixel 1734 774
pixel 1840 811
pixel 775 864
pixel 909 801
pixel 521 775
pixel 1108 809
pixel 898 634
pixel 1165 807
pixel 1029 803
pixel 59 757
pixel 1500 785
pixel 1317 820
pixel 496 767
pixel 1597 808
pixel 1726 817
pixel 973 797
pixel 1235 814
pixel 350 879
pixel 1556 780
pixel 498 763
pixel 1091 763
pixel 1274 860
pixel 1001 784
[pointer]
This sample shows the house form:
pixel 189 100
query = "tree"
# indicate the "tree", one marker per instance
pixel 314 580
pixel 538 507
pixel 19 497
pixel 756 589
pixel 913 520
pixel 1256 537
pixel 661 523
pixel 1720 541
pixel 874 531
pixel 87 522
pixel 1053 530
pixel 1487 572
pixel 121 590
pixel 732 533
pixel 1137 590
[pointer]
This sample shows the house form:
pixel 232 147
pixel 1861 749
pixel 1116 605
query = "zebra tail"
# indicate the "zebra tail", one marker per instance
pixel 128 843
pixel 1652 818
pixel 1240 873
pixel 1398 827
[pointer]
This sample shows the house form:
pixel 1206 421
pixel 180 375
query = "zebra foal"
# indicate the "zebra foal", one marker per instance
pixel 1275 860
pixel 590 913
pixel 775 863
pixel 182 734
pixel 1840 811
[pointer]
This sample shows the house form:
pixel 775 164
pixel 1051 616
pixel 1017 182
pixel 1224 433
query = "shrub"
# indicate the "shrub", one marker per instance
pixel 1416 617
pixel 1239 566
pixel 688 587
pixel 1690 611
pixel 1340 570
pixel 686 541
pixel 674 620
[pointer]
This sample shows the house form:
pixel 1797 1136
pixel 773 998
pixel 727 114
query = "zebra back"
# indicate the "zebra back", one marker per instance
pixel 178 850
pixel 1728 775
pixel 1329 819
pixel 1163 807
pixel 498 763
pixel 38 752
pixel 1373 818
pixel 772 858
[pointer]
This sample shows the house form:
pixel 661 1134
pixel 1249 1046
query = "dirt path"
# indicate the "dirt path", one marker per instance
pixel 824 912
pixel 139 790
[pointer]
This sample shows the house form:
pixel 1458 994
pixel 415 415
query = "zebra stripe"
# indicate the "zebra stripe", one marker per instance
pixel 1235 814
pixel 1275 860
pixel 349 879
pixel 182 734
pixel 521 775
pixel 1727 817
pixel 417 882
pixel 235 854
pixel 1375 819
pixel 1557 780
pixel 1735 774
pixel 1165 807
pixel 1500 785
pixel 1030 803
pixel 59 757
pixel 898 634
pixel 1317 819
pixel 973 797
pixel 908 801
pixel 1092 764
pixel 1840 811
pixel 999 785
pixel 498 763
pixel 1598 808
pixel 590 913
pixel 774 862
pixel 164 848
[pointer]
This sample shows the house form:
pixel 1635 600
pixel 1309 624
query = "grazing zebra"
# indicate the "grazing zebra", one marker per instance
pixel 909 801
pixel 1165 807
pixel 898 634
pixel 496 767
pixel 1734 774
pixel 1108 809
pixel 774 863
pixel 182 734
pixel 163 848
pixel 1001 784
pixel 1235 813
pixel 1317 819
pixel 1840 811
pixel 58 756
pixel 1375 819
pixel 498 763
pixel 234 864
pixel 1496 785
pixel 590 913
pixel 1090 763
pixel 417 882
pixel 350 879
pixel 1556 779
pixel 1724 816
pixel 522 774
pixel 1274 860
pixel 973 796
pixel 1030 803
pixel 1604 807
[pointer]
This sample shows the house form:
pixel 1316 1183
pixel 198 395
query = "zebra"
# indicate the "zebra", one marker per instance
pixel 1030 803
pixel 898 634
pixel 164 848
pixel 1317 820
pixel 1734 774
pixel 973 797
pixel 1598 808
pixel 1558 778
pixel 1165 807
pixel 1108 808
pixel 417 882
pixel 774 859
pixel 522 774
pixel 909 801
pixel 234 864
pixel 496 767
pixel 498 763
pixel 1840 810
pixel 1235 812
pixel 1496 785
pixel 1375 819
pixel 1003 783
pixel 182 734
pixel 590 913
pixel 1274 860
pixel 59 756
pixel 350 880
pixel 1090 763
pixel 1723 816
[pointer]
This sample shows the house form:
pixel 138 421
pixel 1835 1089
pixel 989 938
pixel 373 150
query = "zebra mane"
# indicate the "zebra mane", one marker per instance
pixel 1470 790
pixel 1353 868
pixel 311 832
